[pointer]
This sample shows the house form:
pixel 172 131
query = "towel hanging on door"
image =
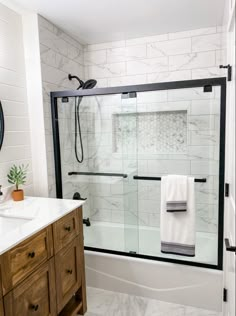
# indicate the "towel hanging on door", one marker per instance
pixel 178 228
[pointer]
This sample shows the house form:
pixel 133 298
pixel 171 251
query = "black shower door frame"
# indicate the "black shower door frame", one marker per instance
pixel 206 84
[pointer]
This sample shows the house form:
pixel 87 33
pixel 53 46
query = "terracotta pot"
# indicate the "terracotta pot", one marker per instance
pixel 18 195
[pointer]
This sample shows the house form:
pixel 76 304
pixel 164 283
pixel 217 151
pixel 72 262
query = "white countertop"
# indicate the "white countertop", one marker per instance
pixel 35 214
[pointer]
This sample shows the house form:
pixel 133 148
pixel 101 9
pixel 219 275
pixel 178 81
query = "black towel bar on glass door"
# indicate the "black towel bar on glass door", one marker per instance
pixel 159 179
pixel 103 174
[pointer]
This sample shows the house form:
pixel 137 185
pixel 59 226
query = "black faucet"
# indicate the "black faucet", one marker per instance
pixel 86 221
pixel 77 196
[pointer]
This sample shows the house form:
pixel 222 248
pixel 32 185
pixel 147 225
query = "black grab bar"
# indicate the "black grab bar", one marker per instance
pixel 102 174
pixel 159 178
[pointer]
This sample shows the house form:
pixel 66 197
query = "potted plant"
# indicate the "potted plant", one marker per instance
pixel 17 176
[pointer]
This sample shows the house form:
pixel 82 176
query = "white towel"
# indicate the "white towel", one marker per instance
pixel 178 228
pixel 176 193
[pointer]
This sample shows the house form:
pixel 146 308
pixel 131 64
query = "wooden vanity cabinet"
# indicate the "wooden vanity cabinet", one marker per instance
pixel 45 274
pixel 34 296
pixel 65 230
pixel 23 259
pixel 68 273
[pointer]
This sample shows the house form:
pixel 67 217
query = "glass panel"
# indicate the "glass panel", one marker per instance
pixel 126 128
pixel 103 177
pixel 155 134
pixel 178 133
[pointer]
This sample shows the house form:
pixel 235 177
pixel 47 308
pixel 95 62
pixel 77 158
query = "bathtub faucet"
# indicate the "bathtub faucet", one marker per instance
pixel 86 221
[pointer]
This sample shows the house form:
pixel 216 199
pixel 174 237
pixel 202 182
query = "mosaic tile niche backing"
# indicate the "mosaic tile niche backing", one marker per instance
pixel 153 132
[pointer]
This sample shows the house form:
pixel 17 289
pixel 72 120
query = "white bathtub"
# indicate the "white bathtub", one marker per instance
pixel 176 283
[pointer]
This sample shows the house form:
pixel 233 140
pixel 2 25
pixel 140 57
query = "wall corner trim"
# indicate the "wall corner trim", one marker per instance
pixel 35 102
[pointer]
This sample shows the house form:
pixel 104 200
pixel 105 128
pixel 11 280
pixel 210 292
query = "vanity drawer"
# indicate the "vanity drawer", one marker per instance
pixel 68 273
pixel 34 296
pixel 65 230
pixel 23 259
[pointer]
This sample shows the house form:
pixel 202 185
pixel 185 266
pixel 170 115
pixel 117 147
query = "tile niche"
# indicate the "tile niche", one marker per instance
pixel 159 132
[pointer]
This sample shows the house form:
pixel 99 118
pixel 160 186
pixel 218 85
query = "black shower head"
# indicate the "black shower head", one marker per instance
pixel 89 84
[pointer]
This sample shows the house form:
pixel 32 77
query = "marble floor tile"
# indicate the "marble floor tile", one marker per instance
pixel 107 303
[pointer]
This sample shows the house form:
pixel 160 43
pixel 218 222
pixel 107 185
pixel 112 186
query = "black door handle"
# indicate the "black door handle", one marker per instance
pixel 228 247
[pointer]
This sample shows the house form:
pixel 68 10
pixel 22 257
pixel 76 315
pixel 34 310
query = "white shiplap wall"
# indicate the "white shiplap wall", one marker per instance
pixel 16 147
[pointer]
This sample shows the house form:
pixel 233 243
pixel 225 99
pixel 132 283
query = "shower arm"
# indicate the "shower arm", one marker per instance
pixel 70 77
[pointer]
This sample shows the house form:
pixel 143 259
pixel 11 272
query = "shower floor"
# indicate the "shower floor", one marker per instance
pixel 145 240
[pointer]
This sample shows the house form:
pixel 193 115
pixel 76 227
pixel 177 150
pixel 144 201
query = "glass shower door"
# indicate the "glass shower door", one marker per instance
pixel 126 126
pixel 178 132
pixel 98 161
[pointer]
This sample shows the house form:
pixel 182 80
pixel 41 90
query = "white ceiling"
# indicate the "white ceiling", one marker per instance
pixel 96 21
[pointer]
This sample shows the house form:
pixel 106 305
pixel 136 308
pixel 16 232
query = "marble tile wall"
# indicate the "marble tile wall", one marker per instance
pixel 176 56
pixel 167 57
pixel 60 55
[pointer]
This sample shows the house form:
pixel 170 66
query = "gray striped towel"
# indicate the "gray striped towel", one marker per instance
pixel 176 206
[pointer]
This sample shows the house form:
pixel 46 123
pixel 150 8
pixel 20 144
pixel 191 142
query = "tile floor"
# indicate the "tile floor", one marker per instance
pixel 106 303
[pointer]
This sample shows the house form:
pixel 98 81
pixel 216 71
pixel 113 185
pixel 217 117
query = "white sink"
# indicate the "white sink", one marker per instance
pixel 7 224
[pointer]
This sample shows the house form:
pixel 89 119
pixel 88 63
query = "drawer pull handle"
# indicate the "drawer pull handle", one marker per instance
pixel 69 271
pixel 31 254
pixel 34 307
pixel 68 228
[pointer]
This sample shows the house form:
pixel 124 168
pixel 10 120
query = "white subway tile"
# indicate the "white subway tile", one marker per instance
pixel 152 96
pixel 169 76
pixel 117 217
pixel 209 167
pixel 126 53
pixel 167 48
pixel 115 55
pixel 188 94
pixel 201 152
pixel 97 57
pixel 190 33
pixel 206 42
pixel 105 45
pixel 169 166
pixel 200 107
pixel 126 80
pixel 201 122
pixel 211 72
pixel 147 66
pixel 148 206
pixel 101 215
pixel 136 52
pixel 192 61
pixel 147 39
pixel 204 138
pixel 107 70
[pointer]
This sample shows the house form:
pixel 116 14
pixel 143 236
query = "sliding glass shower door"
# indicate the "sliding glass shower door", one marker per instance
pixel 113 147
pixel 178 132
pixel 98 161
